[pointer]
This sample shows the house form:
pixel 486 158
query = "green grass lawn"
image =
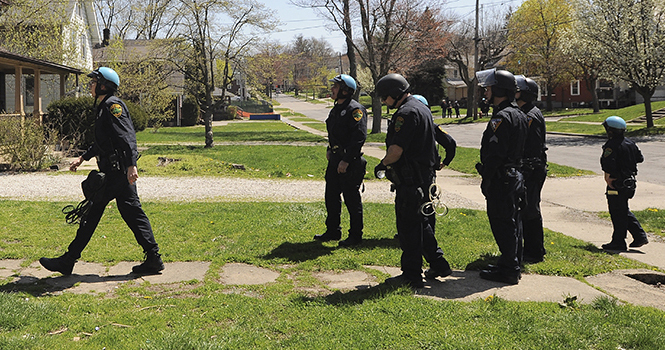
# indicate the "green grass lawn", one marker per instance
pixel 270 131
pixel 286 314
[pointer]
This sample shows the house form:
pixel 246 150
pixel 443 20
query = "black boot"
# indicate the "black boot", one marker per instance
pixel 63 264
pixel 152 265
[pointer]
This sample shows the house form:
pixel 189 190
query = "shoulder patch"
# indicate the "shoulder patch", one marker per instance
pixel 441 128
pixel 398 124
pixel 607 152
pixel 495 123
pixel 116 110
pixel 357 114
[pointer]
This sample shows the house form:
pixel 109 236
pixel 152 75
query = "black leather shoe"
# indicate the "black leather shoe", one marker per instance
pixel 431 274
pixel 532 259
pixel 399 281
pixel 152 265
pixel 63 264
pixel 327 236
pixel 617 247
pixel 350 242
pixel 500 276
pixel 638 242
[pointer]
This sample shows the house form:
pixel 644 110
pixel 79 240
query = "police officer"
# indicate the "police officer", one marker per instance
pixel 534 168
pixel 116 152
pixel 409 163
pixel 501 153
pixel 347 131
pixel 619 162
pixel 449 146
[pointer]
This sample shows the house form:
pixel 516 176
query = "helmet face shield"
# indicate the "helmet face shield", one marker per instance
pixel 486 77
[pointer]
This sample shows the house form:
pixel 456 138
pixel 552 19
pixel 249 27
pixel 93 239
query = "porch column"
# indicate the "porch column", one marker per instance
pixel 37 111
pixel 63 78
pixel 18 91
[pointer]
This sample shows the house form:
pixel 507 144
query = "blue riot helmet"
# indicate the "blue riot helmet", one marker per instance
pixel 347 83
pixel 107 77
pixel 615 122
pixel 614 126
pixel 422 99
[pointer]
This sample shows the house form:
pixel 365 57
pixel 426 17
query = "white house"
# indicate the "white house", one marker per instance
pixel 41 82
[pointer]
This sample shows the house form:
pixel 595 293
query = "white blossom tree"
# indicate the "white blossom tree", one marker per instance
pixel 630 36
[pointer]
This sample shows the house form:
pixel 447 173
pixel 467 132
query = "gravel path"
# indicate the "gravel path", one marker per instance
pixel 67 187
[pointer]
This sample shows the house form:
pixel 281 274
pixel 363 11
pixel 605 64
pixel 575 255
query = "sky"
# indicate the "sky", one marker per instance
pixel 304 21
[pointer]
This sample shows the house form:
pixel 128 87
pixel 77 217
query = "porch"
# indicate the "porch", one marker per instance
pixel 27 85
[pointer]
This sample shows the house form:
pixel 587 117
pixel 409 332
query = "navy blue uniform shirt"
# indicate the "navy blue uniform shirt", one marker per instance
pixel 620 157
pixel 534 146
pixel 503 140
pixel 114 132
pixel 412 129
pixel 347 129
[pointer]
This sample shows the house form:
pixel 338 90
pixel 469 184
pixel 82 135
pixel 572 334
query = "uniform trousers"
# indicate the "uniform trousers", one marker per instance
pixel 346 184
pixel 532 219
pixel 503 211
pixel 117 187
pixel 416 236
pixel 623 219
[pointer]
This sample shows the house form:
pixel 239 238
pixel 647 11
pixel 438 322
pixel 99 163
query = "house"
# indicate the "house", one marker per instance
pixel 576 94
pixel 31 74
pixel 42 81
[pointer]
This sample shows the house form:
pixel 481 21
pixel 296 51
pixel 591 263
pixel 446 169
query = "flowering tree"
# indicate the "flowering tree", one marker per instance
pixel 630 36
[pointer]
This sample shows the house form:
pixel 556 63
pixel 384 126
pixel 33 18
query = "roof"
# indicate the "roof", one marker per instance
pixel 456 83
pixel 9 60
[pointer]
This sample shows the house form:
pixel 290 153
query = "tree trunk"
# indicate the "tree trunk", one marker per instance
pixel 376 113
pixel 471 103
pixel 594 95
pixel 647 109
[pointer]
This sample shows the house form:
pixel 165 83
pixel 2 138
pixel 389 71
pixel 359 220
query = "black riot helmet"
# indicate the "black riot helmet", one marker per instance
pixel 502 82
pixel 527 87
pixel 393 85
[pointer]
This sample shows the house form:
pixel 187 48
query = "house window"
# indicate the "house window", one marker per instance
pixel 29 90
pixel 84 47
pixel 455 73
pixel 575 88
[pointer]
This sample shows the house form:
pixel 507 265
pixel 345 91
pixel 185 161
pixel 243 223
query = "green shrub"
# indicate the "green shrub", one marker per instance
pixel 73 119
pixel 24 144
pixel 191 113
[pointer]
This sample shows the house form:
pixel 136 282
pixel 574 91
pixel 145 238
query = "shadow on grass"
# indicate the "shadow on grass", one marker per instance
pixel 304 251
pixel 299 252
pixel 40 286
pixel 482 262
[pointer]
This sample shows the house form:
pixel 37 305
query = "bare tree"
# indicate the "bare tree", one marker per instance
pixel 492 47
pixel 589 64
pixel 204 38
pixel 630 36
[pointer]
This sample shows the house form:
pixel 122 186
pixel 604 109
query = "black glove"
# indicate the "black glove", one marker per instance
pixel 479 168
pixel 380 168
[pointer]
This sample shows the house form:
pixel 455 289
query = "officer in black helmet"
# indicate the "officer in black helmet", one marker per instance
pixel 534 168
pixel 409 164
pixel 619 163
pixel 116 152
pixel 501 153
pixel 347 131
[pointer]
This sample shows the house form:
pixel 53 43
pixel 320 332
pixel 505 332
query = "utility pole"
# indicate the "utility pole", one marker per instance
pixel 476 67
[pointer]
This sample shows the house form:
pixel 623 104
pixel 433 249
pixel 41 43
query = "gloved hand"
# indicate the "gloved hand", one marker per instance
pixel 479 168
pixel 380 171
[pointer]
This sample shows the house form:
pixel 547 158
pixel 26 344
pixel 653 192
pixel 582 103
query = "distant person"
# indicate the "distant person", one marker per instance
pixel 444 107
pixel 456 106
pixel 534 168
pixel 409 163
pixel 619 163
pixel 116 152
pixel 347 131
pixel 484 107
pixel 501 153
pixel 449 109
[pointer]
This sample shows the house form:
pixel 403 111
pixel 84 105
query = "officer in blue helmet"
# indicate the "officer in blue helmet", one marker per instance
pixel 534 168
pixel 347 131
pixel 619 163
pixel 442 138
pixel 116 153
pixel 501 153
